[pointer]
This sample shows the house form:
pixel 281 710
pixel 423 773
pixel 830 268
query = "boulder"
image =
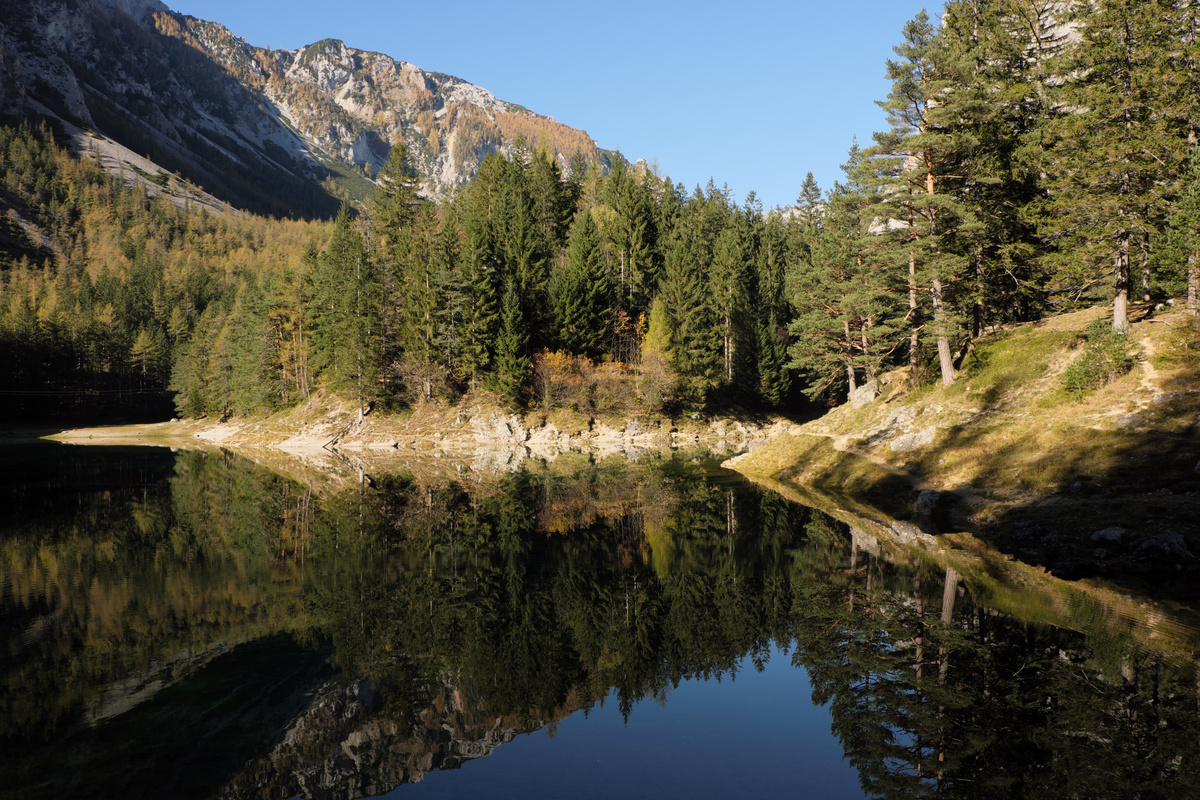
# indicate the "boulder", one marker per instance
pixel 1111 535
pixel 913 441
pixel 927 501
pixel 864 394
pixel 1166 545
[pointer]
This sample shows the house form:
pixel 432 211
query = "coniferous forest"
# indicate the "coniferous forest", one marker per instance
pixel 1038 156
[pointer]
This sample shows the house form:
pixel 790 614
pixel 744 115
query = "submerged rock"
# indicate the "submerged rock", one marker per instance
pixel 1166 545
pixel 1113 534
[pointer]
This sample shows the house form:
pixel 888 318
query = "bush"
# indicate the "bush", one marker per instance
pixel 562 380
pixel 1105 358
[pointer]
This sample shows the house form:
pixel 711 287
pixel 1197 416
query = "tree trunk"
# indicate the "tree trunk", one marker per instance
pixel 977 310
pixel 914 336
pixel 1144 245
pixel 1120 319
pixel 849 357
pixel 728 349
pixel 945 359
pixel 870 369
pixel 949 593
pixel 1193 273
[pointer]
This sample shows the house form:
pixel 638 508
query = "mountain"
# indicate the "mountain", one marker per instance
pixel 281 132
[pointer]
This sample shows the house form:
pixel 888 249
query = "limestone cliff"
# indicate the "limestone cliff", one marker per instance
pixel 283 132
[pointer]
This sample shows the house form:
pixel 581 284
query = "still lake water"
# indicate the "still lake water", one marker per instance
pixel 187 625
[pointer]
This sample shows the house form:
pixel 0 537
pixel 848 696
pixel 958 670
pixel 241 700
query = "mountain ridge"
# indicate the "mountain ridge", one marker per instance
pixel 280 132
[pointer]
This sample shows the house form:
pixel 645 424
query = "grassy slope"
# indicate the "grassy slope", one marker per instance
pixel 1021 463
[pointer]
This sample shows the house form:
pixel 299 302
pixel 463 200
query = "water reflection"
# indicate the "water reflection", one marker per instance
pixel 199 627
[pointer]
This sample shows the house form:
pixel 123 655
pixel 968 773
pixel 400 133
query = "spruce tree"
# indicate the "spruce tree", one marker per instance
pixel 1114 153
pixel 480 312
pixel 808 204
pixel 918 154
pixel 512 346
pixel 729 294
pixel 344 302
pixel 1183 233
pixel 396 199
pixel 695 338
pixel 995 55
pixel 581 295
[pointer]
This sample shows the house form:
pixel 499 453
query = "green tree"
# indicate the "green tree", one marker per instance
pixel 915 156
pixel 479 305
pixel 512 346
pixel 344 302
pixel 1183 233
pixel 1114 154
pixel 580 294
pixel 729 293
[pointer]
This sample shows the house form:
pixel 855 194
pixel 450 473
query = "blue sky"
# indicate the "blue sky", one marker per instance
pixel 752 94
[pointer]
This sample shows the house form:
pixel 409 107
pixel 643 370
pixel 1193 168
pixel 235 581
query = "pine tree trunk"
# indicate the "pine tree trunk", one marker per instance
pixel 945 359
pixel 849 357
pixel 914 336
pixel 1145 248
pixel 977 311
pixel 949 593
pixel 1120 319
pixel 1193 273
pixel 728 350
pixel 867 350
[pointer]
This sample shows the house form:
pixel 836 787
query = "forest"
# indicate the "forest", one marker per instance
pixel 1038 156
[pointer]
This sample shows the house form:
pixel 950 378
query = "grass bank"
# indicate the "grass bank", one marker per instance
pixel 1101 484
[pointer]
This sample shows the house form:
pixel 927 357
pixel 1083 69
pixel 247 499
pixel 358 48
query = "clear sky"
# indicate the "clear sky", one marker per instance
pixel 752 94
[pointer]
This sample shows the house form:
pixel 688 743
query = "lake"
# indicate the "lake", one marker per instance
pixel 192 625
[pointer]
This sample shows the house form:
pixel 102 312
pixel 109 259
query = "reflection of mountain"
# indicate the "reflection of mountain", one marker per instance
pixel 346 745
pixel 456 621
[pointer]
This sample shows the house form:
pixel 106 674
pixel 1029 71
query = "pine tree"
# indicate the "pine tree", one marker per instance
pixel 1183 233
pixel 480 307
pixel 1114 154
pixel 580 295
pixel 695 340
pixel 512 347
pixel 918 154
pixel 344 302
pixel 729 294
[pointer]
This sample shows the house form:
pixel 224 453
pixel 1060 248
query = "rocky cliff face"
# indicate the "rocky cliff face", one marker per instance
pixel 275 131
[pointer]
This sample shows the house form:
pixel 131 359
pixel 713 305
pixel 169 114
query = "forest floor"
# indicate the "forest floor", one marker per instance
pixel 1105 485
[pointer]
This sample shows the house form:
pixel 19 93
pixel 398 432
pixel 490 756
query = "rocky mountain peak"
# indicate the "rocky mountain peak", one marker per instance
pixel 276 131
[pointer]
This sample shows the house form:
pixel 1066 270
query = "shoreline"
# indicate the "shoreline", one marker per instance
pixel 327 428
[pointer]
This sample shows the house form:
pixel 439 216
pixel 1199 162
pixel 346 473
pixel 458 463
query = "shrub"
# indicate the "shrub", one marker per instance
pixel 562 380
pixel 1105 358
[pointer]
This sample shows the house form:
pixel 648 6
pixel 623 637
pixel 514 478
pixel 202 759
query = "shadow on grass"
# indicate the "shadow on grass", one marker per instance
pixel 1119 501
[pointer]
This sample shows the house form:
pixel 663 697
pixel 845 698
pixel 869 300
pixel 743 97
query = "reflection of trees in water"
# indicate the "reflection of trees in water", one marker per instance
pixel 448 610
pixel 932 695
pixel 135 574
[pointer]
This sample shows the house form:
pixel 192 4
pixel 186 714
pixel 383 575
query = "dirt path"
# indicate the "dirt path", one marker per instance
pixel 1151 382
